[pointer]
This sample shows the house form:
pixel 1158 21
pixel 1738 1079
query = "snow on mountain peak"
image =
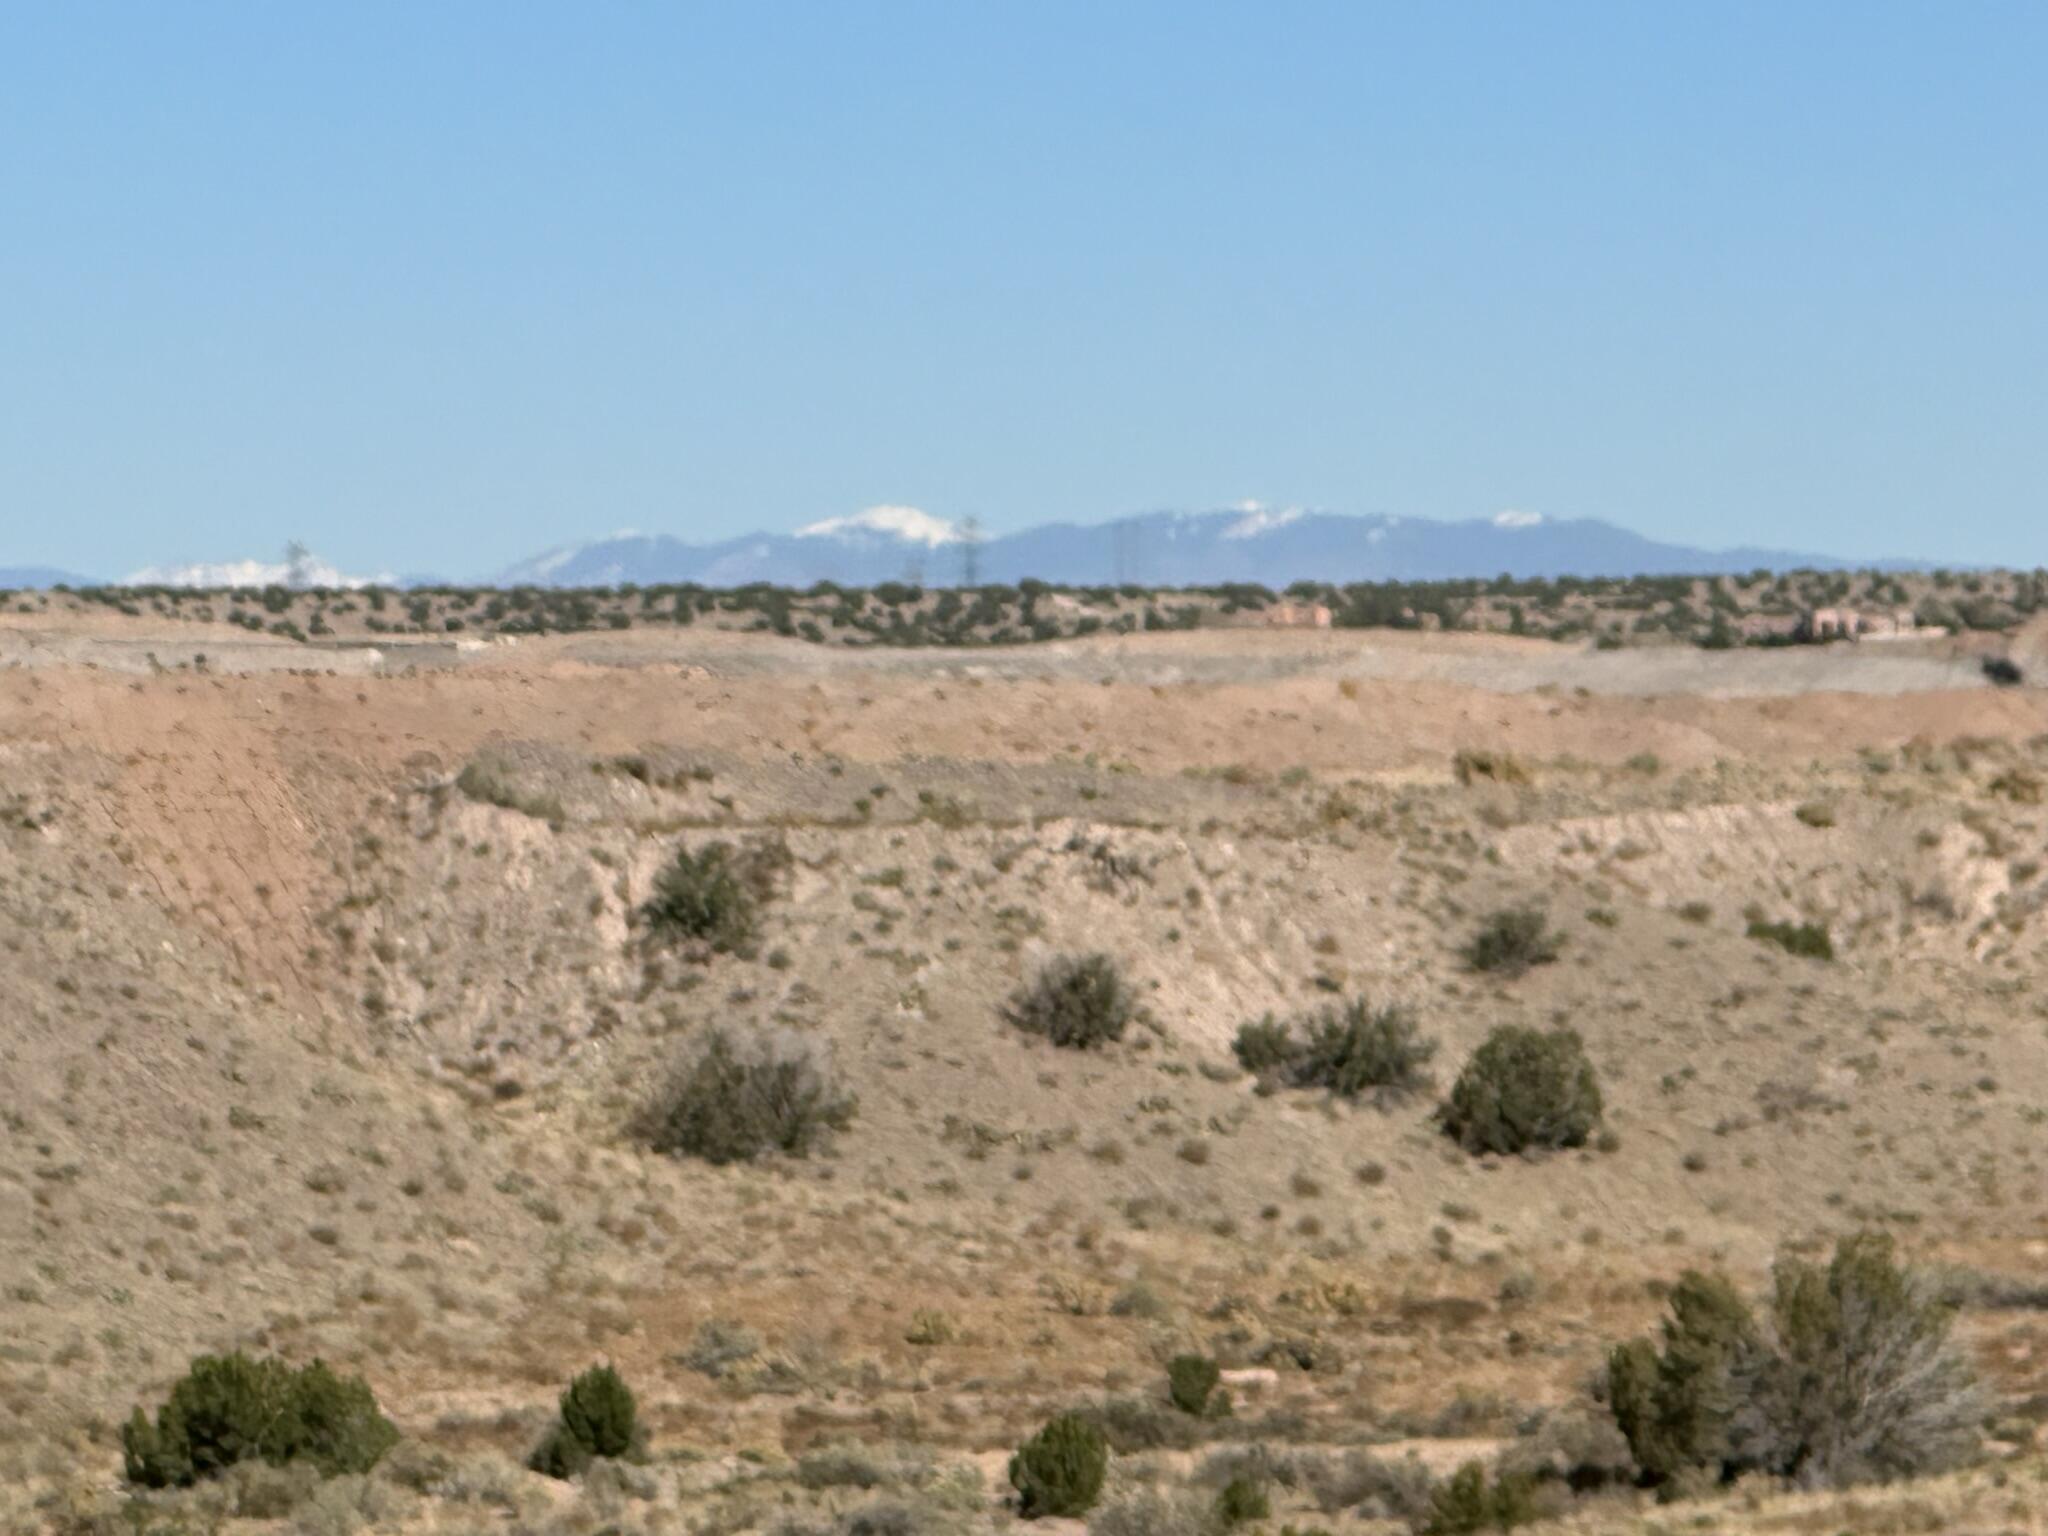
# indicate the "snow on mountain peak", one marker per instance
pixel 911 525
pixel 1259 519
pixel 1514 519
pixel 299 569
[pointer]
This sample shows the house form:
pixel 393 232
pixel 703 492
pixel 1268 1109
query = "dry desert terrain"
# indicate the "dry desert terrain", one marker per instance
pixel 328 1009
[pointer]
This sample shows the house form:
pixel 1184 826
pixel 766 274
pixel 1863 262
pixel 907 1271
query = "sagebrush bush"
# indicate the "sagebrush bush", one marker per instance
pixel 490 782
pixel 1059 1470
pixel 559 1455
pixel 1242 1500
pixel 1809 941
pixel 229 1408
pixel 1076 1001
pixel 1265 1047
pixel 1355 1049
pixel 1351 1049
pixel 1470 764
pixel 598 1418
pixel 1376 1487
pixel 1874 1387
pixel 1192 1385
pixel 1135 1424
pixel 852 1464
pixel 1511 941
pixel 1852 1377
pixel 742 1095
pixel 713 897
pixel 1149 1511
pixel 1524 1088
pixel 1468 1502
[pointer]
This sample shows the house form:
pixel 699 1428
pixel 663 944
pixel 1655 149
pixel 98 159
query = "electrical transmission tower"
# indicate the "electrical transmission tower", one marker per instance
pixel 970 552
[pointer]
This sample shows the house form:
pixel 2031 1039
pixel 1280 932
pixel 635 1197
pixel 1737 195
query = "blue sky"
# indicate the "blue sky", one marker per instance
pixel 435 286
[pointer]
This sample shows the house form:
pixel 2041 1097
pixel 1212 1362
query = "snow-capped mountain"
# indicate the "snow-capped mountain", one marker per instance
pixel 1250 542
pixel 296 570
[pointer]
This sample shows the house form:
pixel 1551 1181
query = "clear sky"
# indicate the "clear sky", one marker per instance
pixel 435 285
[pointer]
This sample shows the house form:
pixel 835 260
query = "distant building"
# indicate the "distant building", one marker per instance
pixel 1856 624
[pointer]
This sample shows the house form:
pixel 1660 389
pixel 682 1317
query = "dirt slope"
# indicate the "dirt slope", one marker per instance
pixel 313 1042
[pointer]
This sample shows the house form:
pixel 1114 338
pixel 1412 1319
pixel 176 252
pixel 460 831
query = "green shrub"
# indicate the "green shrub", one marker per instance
pixel 598 1409
pixel 598 1419
pixel 1350 1049
pixel 1242 1500
pixel 1511 941
pixel 1696 1403
pixel 1059 1470
pixel 1077 1001
pixel 1467 1503
pixel 1524 1088
pixel 712 898
pixel 740 1096
pixel 1355 1048
pixel 559 1455
pixel 1265 1047
pixel 1191 1384
pixel 230 1408
pixel 1809 941
pixel 1854 1378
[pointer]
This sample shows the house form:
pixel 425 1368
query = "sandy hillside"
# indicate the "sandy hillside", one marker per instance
pixel 328 1009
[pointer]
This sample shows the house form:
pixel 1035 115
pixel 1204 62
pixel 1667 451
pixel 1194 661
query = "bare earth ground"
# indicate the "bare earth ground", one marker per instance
pixel 305 1049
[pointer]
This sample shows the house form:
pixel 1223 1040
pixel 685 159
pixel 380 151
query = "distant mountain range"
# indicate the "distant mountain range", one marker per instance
pixel 16 578
pixel 1249 543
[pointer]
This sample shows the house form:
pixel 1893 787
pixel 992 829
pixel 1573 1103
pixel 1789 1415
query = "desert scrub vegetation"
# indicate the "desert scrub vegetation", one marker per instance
pixel 1242 1501
pixel 1849 1377
pixel 1059 1470
pixel 1524 1088
pixel 1352 1049
pixel 1512 941
pixel 598 1419
pixel 740 1095
pixel 1809 941
pixel 489 782
pixel 711 899
pixel 1193 1385
pixel 1467 1502
pixel 228 1409
pixel 1075 1001
pixel 1471 765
